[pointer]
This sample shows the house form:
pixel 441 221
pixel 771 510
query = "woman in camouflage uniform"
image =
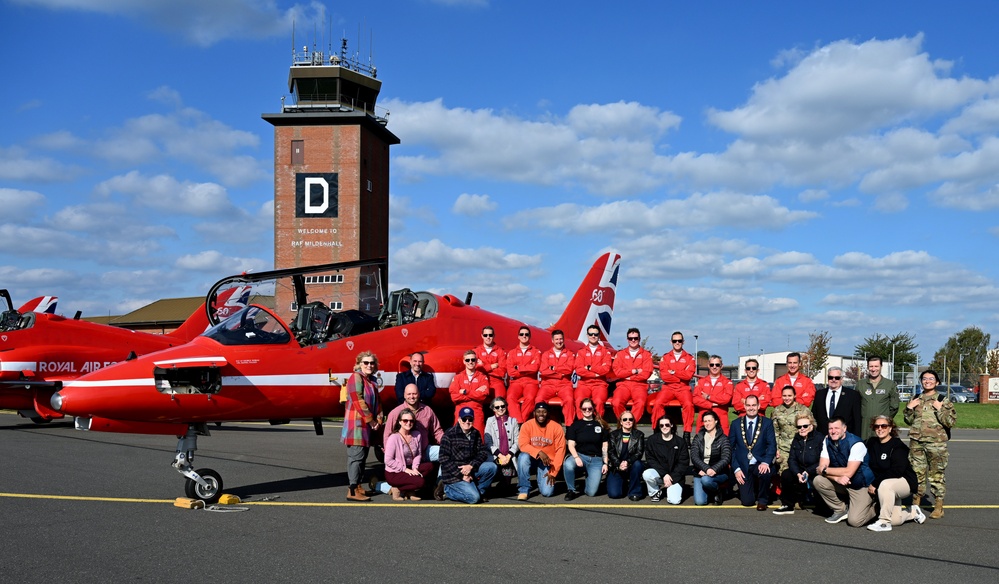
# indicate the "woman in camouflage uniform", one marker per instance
pixel 785 415
pixel 930 417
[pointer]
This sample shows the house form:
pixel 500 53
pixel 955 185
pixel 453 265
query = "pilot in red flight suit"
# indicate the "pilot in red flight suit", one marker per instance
pixel 593 363
pixel 676 368
pixel 632 368
pixel 803 387
pixel 470 389
pixel 522 364
pixel 713 392
pixel 492 362
pixel 556 376
pixel 750 385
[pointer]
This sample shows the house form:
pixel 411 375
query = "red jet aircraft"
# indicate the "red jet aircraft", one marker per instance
pixel 39 351
pixel 254 366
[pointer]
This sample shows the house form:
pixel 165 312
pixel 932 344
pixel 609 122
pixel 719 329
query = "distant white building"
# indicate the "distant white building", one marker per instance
pixel 773 365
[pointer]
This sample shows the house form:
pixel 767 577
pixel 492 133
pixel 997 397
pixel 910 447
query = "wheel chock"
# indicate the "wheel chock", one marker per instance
pixel 185 503
pixel 229 500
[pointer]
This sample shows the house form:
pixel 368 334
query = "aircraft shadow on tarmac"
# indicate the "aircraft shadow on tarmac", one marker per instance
pixel 309 483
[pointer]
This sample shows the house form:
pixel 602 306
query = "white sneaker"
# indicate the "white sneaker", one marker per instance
pixel 919 516
pixel 880 526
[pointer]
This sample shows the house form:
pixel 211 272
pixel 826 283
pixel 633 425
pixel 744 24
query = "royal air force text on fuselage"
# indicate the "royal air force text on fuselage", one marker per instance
pixel 71 366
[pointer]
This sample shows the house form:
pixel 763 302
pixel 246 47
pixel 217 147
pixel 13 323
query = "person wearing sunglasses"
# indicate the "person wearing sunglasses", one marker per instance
pixel 844 475
pixel 750 384
pixel 492 362
pixel 556 376
pixel 878 395
pixel 930 416
pixel 466 471
pixel 522 365
pixel 632 368
pixel 667 460
pixel 542 450
pixel 837 401
pixel 625 450
pixel 592 364
pixel 405 470
pixel 676 369
pixel 713 393
pixel 360 419
pixel 586 444
pixel 502 436
pixel 802 461
pixel 894 478
pixel 470 389
pixel 710 454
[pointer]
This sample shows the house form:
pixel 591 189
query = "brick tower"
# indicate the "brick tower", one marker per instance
pixel 331 178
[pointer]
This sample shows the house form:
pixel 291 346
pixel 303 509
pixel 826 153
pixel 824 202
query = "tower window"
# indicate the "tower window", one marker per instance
pixel 298 152
pixel 327 279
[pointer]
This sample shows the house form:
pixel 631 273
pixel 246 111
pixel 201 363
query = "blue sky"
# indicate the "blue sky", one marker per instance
pixel 765 173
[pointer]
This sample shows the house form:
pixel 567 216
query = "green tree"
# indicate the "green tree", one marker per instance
pixel 992 362
pixel 881 346
pixel 814 359
pixel 962 358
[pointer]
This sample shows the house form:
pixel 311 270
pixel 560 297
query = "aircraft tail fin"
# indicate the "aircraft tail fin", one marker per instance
pixel 593 302
pixel 40 304
pixel 193 326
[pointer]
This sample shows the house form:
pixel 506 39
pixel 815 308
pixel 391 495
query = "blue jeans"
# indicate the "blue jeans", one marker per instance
pixel 467 492
pixel 527 465
pixel 592 465
pixel 705 484
pixel 631 480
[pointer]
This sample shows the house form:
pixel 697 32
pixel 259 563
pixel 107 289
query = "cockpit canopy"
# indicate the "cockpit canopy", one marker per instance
pixel 252 325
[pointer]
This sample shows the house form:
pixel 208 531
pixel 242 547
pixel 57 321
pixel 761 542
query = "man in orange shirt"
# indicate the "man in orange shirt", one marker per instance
pixel 542 448
pixel 593 363
pixel 492 362
pixel 751 385
pixel 470 389
pixel 713 392
pixel 803 387
pixel 676 368
pixel 556 376
pixel 632 368
pixel 522 364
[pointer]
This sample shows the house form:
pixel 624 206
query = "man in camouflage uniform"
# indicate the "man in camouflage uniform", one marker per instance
pixel 878 397
pixel 930 417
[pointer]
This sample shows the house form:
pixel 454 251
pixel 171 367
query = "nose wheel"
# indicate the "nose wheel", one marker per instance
pixel 210 493
pixel 203 484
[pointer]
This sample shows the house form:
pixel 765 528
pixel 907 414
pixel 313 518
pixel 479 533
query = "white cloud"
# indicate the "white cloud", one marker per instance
pixel 18 203
pixel 240 227
pixel 812 195
pixel 402 211
pixel 168 194
pixel 698 211
pixel 473 205
pixel 216 262
pixel 200 23
pixel 420 255
pixel 608 149
pixel 17 164
pixel 843 88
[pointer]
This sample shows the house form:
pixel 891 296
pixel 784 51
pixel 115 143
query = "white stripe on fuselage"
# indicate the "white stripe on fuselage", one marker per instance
pixel 310 379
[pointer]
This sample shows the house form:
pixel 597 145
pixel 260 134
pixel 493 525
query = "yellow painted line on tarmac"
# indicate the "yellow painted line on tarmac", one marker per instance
pixel 421 505
pixel 79 498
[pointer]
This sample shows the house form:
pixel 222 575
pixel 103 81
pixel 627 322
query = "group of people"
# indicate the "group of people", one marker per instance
pixel 835 447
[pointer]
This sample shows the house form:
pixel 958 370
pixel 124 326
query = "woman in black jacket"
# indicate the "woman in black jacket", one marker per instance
pixel 894 478
pixel 710 454
pixel 624 453
pixel 797 478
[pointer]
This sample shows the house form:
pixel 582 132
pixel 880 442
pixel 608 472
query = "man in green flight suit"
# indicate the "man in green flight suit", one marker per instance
pixel 878 397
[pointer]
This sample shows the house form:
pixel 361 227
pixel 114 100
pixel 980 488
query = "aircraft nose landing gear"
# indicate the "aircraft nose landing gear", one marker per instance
pixel 204 484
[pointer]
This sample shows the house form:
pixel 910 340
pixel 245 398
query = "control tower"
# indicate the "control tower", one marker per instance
pixel 331 177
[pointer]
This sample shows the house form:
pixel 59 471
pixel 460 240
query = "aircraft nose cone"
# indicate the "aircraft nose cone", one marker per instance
pixel 56 402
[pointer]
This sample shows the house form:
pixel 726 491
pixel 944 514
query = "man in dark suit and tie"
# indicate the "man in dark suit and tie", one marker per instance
pixel 836 402
pixel 754 446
